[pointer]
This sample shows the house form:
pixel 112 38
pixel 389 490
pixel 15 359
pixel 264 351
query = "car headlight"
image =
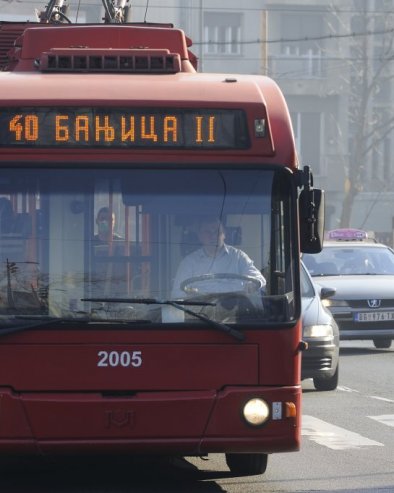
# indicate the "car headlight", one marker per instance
pixel 256 412
pixel 318 331
pixel 329 303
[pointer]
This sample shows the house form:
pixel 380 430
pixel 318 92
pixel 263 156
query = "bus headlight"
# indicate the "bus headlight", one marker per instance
pixel 256 412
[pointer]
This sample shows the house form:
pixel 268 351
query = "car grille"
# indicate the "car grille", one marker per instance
pixel 316 363
pixel 364 303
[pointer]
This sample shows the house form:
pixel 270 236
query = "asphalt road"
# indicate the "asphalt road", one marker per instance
pixel 348 446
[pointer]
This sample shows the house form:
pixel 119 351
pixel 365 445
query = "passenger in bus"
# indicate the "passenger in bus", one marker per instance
pixel 214 257
pixel 108 272
pixel 105 222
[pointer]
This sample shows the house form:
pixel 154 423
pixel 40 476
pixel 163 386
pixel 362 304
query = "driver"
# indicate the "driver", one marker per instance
pixel 214 257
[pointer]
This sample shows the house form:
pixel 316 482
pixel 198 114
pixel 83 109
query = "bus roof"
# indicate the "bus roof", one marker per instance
pixel 147 88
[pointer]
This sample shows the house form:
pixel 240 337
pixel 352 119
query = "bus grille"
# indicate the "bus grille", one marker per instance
pixel 130 61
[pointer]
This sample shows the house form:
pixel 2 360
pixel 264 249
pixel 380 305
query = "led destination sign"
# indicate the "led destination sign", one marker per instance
pixel 115 127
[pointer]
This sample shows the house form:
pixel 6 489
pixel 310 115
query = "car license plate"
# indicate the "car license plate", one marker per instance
pixel 373 316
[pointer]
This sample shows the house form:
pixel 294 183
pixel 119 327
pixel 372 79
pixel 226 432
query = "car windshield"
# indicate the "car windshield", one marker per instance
pixel 347 260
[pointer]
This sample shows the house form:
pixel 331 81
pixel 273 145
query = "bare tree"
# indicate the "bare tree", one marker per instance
pixel 370 73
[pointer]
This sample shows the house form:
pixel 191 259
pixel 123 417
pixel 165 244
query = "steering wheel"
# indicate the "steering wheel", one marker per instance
pixel 186 285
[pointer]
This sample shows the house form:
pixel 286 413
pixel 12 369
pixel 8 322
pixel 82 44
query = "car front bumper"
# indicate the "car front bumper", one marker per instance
pixel 320 359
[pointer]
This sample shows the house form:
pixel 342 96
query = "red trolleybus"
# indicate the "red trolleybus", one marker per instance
pixel 114 150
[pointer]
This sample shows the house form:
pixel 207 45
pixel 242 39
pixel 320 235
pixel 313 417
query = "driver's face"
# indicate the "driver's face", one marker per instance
pixel 211 234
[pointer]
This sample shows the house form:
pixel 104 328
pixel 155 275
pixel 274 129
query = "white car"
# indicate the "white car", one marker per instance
pixel 362 273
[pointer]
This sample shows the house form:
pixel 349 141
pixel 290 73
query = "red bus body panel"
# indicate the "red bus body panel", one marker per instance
pixel 55 399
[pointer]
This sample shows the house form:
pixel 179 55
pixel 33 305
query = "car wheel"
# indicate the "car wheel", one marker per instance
pixel 327 383
pixel 382 343
pixel 247 464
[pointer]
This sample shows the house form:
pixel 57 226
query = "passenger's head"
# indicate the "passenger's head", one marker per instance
pixel 105 222
pixel 211 234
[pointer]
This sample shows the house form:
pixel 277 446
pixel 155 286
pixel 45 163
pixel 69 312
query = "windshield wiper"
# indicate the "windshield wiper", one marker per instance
pixel 179 304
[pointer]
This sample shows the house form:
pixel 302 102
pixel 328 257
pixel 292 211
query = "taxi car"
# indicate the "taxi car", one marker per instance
pixel 362 272
pixel 320 361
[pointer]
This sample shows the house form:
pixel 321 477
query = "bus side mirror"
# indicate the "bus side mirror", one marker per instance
pixel 311 217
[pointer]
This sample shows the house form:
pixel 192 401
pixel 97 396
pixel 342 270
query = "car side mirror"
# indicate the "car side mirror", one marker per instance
pixel 326 292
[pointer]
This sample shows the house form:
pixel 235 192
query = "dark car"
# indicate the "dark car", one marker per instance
pixel 320 331
pixel 362 272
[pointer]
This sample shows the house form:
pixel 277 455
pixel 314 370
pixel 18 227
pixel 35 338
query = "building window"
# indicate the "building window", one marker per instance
pixel 302 32
pixel 381 162
pixel 301 53
pixel 222 33
pixel 307 131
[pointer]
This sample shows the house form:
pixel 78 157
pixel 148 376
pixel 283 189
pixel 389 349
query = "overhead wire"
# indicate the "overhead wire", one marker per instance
pixel 329 36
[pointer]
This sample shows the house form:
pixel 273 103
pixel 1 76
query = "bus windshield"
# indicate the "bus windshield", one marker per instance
pixel 135 245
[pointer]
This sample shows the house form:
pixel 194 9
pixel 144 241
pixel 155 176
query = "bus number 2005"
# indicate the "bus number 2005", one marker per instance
pixel 119 358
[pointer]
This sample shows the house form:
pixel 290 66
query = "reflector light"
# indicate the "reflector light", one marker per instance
pixel 290 410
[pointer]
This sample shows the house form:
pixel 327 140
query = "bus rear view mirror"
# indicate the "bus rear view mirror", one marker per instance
pixel 311 215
